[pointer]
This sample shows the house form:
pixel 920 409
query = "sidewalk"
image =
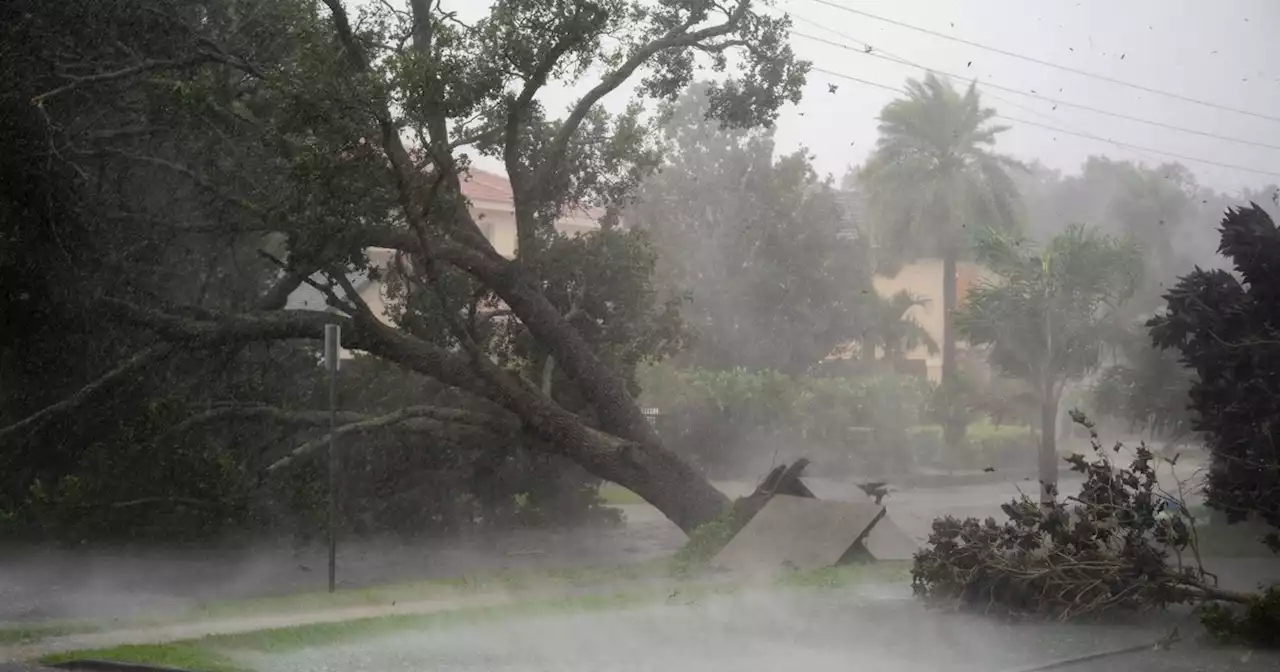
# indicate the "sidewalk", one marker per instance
pixel 182 631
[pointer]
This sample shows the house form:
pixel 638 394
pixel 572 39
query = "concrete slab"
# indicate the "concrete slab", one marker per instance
pixel 797 533
pixel 887 541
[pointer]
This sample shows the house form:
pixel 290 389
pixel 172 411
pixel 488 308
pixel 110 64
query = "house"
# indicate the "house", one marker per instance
pixel 923 278
pixel 492 206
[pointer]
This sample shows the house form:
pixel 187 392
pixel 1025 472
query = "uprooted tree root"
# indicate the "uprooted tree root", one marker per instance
pixel 1121 545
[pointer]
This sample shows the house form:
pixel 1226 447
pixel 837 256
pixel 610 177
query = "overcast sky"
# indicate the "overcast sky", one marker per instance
pixel 1223 52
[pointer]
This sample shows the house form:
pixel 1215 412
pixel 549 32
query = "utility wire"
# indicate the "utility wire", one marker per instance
pixel 868 49
pixel 1139 147
pixel 1038 61
pixel 884 55
pixel 1090 136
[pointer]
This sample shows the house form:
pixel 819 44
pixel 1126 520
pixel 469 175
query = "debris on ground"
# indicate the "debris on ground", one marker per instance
pixel 784 525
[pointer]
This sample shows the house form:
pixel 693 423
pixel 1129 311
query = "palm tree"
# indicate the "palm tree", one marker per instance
pixel 932 177
pixel 894 330
pixel 1048 316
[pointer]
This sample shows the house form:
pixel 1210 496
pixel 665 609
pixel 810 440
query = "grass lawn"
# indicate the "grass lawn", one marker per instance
pixel 186 656
pixel 215 653
pixel 525 583
pixel 12 634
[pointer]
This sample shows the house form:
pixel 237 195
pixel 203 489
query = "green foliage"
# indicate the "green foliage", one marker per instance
pixel 1047 314
pixel 704 543
pixel 1147 387
pixel 603 280
pixel 1226 328
pixel 180 656
pixel 709 415
pixel 893 330
pixel 1257 623
pixel 212 131
pixel 950 401
pixel 1003 447
pixel 933 175
pixel 1107 551
pixel 1161 207
pixel 754 245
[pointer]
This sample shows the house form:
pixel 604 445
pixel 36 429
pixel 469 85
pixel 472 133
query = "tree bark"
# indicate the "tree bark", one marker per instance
pixel 649 470
pixel 953 429
pixel 643 464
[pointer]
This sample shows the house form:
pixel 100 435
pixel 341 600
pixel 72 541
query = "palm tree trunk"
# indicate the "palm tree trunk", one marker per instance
pixel 953 429
pixel 1048 462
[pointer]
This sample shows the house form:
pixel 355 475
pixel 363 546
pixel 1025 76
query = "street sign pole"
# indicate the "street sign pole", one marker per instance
pixel 332 338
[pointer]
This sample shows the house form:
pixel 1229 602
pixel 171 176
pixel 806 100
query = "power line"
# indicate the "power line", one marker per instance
pixel 1090 136
pixel 878 85
pixel 1139 147
pixel 884 55
pixel 869 48
pixel 1038 61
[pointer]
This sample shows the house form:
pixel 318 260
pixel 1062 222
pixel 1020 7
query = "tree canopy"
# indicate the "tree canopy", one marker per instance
pixel 894 330
pixel 332 131
pixel 932 177
pixel 757 246
pixel 1225 327
pixel 1049 312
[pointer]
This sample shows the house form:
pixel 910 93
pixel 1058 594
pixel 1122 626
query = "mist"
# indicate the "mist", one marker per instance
pixel 607 279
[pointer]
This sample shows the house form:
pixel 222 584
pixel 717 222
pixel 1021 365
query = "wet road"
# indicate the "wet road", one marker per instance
pixel 98 583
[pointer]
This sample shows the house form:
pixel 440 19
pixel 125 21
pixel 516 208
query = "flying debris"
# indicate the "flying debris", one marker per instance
pixel 876 489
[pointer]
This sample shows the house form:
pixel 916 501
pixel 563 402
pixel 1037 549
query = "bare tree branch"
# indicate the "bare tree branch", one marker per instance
pixel 675 38
pixel 274 299
pixel 378 422
pixel 129 367
pixel 467 248
pixel 320 418
pixel 358 334
pixel 121 73
pixel 520 107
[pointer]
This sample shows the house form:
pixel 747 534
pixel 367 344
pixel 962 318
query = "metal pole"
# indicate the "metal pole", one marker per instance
pixel 332 337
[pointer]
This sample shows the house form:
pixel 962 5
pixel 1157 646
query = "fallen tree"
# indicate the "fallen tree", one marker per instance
pixel 337 135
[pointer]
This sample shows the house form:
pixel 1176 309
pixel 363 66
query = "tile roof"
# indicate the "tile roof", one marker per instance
pixel 479 185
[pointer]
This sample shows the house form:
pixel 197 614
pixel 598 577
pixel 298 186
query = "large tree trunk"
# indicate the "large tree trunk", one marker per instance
pixel 953 429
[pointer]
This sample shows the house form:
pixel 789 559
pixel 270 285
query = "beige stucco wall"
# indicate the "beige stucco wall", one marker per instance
pixel 924 278
pixel 499 223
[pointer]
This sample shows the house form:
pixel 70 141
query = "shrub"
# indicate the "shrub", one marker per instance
pixel 1225 328
pixel 985 445
pixel 1098 552
pixel 707 540
pixel 709 416
pixel 1256 624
